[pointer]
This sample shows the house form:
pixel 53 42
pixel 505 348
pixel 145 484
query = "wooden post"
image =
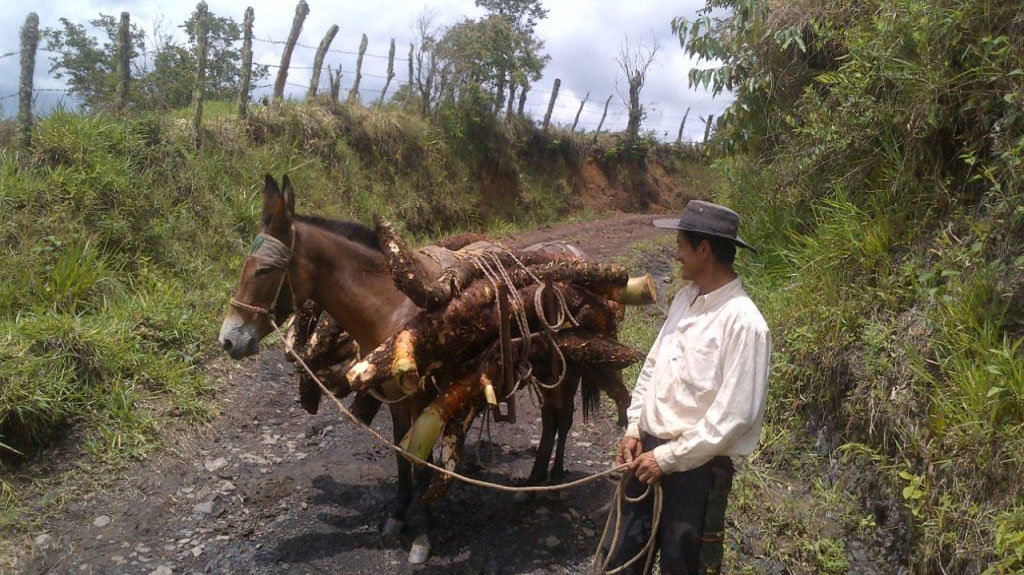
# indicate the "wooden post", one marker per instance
pixel 334 78
pixel 391 71
pixel 551 104
pixel 522 100
pixel 353 94
pixel 707 128
pixel 243 91
pixel 578 112
pixel 124 58
pixel 679 138
pixel 603 116
pixel 301 11
pixel 318 60
pixel 200 89
pixel 29 43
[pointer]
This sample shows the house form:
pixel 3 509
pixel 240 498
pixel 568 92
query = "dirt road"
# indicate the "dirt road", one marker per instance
pixel 270 489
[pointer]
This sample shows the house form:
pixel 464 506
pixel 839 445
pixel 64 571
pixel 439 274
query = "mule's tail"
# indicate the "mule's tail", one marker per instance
pixel 590 390
pixel 596 380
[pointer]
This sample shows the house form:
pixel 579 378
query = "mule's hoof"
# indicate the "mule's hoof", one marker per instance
pixel 392 528
pixel 523 496
pixel 420 550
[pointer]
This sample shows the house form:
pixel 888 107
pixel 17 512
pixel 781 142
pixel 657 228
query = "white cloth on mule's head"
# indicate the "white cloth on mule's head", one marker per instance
pixel 271 250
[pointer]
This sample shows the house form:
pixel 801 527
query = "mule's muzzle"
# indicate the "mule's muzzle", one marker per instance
pixel 237 340
pixel 239 347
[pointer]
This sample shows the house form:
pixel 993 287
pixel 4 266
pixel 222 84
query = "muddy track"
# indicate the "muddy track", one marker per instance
pixel 270 489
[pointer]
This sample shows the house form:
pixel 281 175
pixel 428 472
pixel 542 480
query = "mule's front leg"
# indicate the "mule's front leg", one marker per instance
pixel 420 550
pixel 394 523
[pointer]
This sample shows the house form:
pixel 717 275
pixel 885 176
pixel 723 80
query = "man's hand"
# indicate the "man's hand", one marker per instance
pixel 646 469
pixel 629 450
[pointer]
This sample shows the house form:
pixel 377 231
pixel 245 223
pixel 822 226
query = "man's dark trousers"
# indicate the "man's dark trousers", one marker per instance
pixel 684 511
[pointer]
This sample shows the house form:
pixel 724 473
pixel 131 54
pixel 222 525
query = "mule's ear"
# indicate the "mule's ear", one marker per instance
pixel 270 186
pixel 273 207
pixel 289 195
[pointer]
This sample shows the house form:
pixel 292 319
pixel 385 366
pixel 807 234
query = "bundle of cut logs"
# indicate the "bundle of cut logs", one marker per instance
pixel 492 321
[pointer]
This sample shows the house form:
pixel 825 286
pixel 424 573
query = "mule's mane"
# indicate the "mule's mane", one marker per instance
pixel 355 231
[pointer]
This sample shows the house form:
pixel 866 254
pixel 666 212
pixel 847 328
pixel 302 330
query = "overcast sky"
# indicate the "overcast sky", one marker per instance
pixel 582 37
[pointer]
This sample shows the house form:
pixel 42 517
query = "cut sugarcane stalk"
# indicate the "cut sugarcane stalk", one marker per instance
pixel 427 428
pixel 467 323
pixel 489 394
pixel 636 291
pixel 403 367
pixel 413 279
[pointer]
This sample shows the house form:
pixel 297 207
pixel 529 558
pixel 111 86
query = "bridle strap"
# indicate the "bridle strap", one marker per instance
pixel 251 308
pixel 275 254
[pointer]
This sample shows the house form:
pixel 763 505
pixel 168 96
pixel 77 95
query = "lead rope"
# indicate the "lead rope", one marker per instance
pixel 616 511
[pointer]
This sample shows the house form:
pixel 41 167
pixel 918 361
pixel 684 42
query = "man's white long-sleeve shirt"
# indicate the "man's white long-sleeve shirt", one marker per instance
pixel 704 383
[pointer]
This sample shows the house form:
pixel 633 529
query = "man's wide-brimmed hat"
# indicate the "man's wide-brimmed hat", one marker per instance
pixel 709 219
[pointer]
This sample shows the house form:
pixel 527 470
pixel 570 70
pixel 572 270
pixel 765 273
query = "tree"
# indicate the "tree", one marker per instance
pixel 484 57
pixel 634 60
pixel 167 81
pixel 171 81
pixel 525 61
pixel 91 68
pixel 423 60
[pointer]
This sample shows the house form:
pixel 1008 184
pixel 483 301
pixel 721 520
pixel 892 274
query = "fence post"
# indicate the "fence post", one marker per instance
pixel 353 94
pixel 578 112
pixel 551 104
pixel 29 43
pixel 334 79
pixel 391 71
pixel 243 91
pixel 410 84
pixel 200 90
pixel 124 58
pixel 318 60
pixel 301 11
pixel 603 116
pixel 679 138
pixel 707 128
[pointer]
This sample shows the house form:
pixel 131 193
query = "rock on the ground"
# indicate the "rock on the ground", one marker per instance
pixel 43 541
pixel 162 570
pixel 101 521
pixel 216 464
pixel 206 507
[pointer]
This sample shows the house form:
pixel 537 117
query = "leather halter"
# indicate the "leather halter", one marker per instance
pixel 282 261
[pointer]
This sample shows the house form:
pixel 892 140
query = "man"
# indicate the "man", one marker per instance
pixel 698 401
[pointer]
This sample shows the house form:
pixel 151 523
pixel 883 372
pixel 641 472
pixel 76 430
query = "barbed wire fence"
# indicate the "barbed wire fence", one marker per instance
pixel 588 116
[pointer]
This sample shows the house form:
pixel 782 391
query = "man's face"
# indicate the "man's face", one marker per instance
pixel 693 260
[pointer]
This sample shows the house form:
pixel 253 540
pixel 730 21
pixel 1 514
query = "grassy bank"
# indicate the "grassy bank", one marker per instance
pixel 121 243
pixel 877 160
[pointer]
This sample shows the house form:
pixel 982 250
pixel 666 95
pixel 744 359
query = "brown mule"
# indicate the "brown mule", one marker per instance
pixel 339 266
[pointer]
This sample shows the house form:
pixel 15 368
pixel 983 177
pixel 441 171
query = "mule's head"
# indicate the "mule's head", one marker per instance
pixel 264 288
